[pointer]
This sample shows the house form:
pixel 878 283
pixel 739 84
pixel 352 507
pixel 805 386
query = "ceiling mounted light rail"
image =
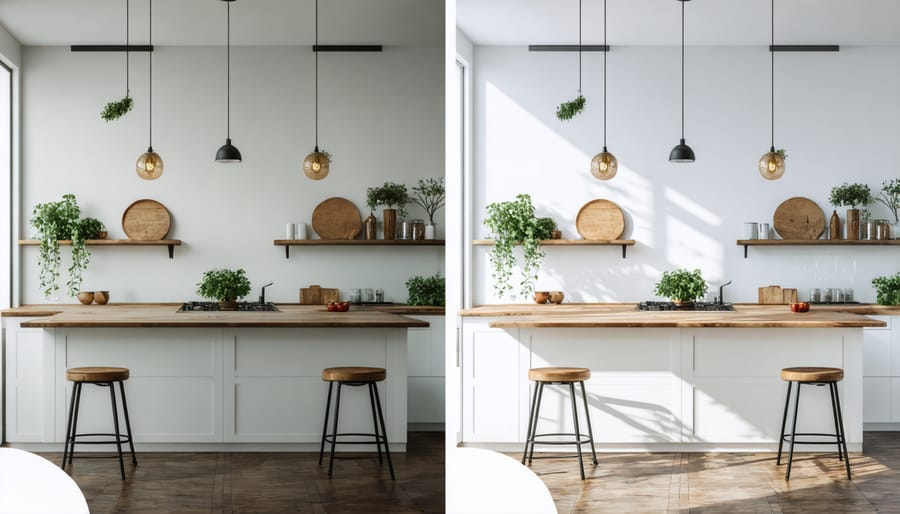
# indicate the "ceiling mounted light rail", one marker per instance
pixel 347 48
pixel 568 48
pixel 317 164
pixel 771 165
pixel 804 48
pixel 682 152
pixel 150 165
pixel 604 165
pixel 111 48
pixel 228 153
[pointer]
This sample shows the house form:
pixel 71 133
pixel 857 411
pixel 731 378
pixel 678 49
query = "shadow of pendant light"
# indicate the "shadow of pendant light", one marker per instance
pixel 604 165
pixel 771 164
pixel 150 165
pixel 228 153
pixel 682 152
pixel 317 164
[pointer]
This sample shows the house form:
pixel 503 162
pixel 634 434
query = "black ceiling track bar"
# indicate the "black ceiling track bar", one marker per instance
pixel 111 48
pixel 347 48
pixel 568 48
pixel 804 48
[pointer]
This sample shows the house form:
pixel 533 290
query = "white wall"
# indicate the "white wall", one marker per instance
pixel 381 116
pixel 837 116
pixel 10 49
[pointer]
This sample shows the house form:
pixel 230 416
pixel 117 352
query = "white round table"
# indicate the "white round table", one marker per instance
pixel 482 481
pixel 30 483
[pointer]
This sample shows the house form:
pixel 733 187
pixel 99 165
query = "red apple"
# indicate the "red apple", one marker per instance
pixel 343 307
pixel 332 306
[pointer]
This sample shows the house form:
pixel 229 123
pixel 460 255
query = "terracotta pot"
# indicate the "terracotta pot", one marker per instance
pixel 683 304
pixel 556 297
pixel 541 296
pixel 852 224
pixel 227 305
pixel 86 297
pixel 390 224
pixel 101 297
pixel 103 234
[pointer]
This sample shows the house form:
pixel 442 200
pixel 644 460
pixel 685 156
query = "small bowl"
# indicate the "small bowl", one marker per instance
pixel 101 297
pixel 556 297
pixel 800 307
pixel 86 297
pixel 541 296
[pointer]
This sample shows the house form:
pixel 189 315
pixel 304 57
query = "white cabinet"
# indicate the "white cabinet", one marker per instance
pixel 881 370
pixel 425 367
pixel 29 395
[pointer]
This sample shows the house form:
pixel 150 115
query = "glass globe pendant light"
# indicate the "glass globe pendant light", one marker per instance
pixel 150 165
pixel 228 153
pixel 771 164
pixel 317 164
pixel 604 165
pixel 682 152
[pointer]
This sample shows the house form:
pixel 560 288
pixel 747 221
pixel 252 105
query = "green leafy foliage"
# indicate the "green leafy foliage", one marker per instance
pixel 782 153
pixel 568 110
pixel 426 290
pixel 429 194
pixel 89 228
pixel 224 285
pixel 850 195
pixel 890 196
pixel 887 289
pixel 389 195
pixel 681 285
pixel 116 109
pixel 512 222
pixel 57 221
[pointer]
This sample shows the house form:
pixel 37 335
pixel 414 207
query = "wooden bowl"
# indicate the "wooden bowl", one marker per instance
pixel 541 296
pixel 101 297
pixel 556 297
pixel 86 297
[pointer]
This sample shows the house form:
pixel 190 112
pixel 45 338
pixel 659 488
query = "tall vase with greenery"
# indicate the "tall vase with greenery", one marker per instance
pixel 429 194
pixel 389 195
pixel 511 223
pixel 890 197
pixel 853 196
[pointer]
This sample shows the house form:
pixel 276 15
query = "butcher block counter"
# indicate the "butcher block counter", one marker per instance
pixel 661 381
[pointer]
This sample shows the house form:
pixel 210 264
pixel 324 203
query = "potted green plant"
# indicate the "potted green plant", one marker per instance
pixel 568 110
pixel 890 197
pixel 389 195
pixel 681 286
pixel 116 109
pixel 429 194
pixel 224 285
pixel 511 223
pixel 887 289
pixel 59 221
pixel 426 290
pixel 853 196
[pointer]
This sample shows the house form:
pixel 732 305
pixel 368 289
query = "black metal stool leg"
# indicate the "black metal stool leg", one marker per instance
pixel 75 421
pixel 587 414
pixel 787 402
pixel 787 475
pixel 69 425
pixel 834 416
pixel 375 421
pixel 530 431
pixel 325 425
pixel 127 422
pixel 537 416
pixel 577 433
pixel 115 412
pixel 387 450
pixel 843 436
pixel 337 413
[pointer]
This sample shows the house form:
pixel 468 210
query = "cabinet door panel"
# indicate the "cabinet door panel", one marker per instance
pixel 876 400
pixel 877 353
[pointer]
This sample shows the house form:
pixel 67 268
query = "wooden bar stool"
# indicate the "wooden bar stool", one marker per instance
pixel 355 377
pixel 562 376
pixel 103 377
pixel 817 377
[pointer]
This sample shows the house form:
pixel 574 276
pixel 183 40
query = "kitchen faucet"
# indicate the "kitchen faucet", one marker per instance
pixel 262 293
pixel 721 299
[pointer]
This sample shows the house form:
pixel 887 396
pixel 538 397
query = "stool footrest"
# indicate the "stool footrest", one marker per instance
pixel 375 438
pixel 582 438
pixel 122 439
pixel 834 438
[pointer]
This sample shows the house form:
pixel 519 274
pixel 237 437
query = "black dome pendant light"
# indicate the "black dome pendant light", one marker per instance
pixel 604 165
pixel 317 164
pixel 771 164
pixel 150 165
pixel 228 153
pixel 682 152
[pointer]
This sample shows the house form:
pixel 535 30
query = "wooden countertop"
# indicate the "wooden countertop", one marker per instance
pixel 165 315
pixel 625 315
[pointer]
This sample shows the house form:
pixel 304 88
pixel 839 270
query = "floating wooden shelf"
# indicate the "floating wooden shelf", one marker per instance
pixel 624 243
pixel 170 243
pixel 815 242
pixel 288 243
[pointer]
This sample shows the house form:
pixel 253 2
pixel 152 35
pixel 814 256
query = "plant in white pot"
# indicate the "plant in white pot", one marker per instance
pixel 429 194
pixel 890 197
pixel 681 286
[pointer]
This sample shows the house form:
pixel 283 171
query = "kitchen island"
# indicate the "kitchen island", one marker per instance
pixel 202 381
pixel 661 381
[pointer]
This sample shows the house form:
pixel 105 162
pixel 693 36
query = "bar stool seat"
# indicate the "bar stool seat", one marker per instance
pixel 102 376
pixel 559 374
pixel 817 376
pixel 354 376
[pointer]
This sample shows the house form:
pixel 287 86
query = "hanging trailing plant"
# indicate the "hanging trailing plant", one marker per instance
pixel 118 108
pixel 568 110
pixel 56 221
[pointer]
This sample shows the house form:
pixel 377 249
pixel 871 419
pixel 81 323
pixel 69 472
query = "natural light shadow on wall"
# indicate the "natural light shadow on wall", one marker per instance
pixel 688 240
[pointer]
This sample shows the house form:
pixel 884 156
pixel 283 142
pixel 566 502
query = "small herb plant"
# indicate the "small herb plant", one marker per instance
pixel 116 109
pixel 513 222
pixel 568 110
pixel 782 153
pixel 389 195
pixel 56 221
pixel 850 195
pixel 681 285
pixel 887 289
pixel 90 228
pixel 429 194
pixel 890 196
pixel 426 290
pixel 224 285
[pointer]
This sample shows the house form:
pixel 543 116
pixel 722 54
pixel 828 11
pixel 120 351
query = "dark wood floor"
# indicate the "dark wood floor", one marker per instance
pixel 266 482
pixel 728 482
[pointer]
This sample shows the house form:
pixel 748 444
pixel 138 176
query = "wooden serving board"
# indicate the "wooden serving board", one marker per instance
pixel 337 218
pixel 146 220
pixel 317 295
pixel 600 220
pixel 776 295
pixel 799 218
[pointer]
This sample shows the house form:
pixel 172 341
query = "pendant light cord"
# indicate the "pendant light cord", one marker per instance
pixel 682 68
pixel 127 48
pixel 317 74
pixel 579 47
pixel 150 40
pixel 605 51
pixel 228 71
pixel 772 52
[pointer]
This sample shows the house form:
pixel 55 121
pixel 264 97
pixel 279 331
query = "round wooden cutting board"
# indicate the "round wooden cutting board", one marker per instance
pixel 336 218
pixel 799 218
pixel 146 220
pixel 600 220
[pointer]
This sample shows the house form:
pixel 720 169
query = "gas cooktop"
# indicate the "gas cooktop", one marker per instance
pixel 241 306
pixel 696 306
